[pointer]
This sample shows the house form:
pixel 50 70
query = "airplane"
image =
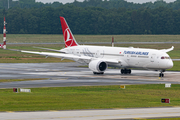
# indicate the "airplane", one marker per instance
pixel 99 58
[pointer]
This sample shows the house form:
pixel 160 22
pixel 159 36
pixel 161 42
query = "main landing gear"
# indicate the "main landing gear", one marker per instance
pixel 98 73
pixel 125 71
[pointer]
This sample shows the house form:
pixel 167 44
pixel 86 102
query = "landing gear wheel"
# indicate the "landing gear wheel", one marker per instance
pixel 122 71
pixel 96 73
pixel 129 71
pixel 161 75
pixel 125 71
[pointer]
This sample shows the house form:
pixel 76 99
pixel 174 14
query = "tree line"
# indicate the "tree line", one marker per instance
pixel 91 20
pixel 26 4
pixel 108 4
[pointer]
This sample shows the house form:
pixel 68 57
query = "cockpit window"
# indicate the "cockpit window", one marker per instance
pixel 162 57
pixel 165 57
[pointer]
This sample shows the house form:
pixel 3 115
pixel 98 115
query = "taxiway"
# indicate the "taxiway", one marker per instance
pixel 115 114
pixel 69 74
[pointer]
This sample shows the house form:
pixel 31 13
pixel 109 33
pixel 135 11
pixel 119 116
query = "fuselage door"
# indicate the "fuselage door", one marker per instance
pixel 153 56
pixel 154 61
pixel 77 52
pixel 99 54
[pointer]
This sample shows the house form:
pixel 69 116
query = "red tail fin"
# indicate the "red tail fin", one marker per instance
pixel 68 36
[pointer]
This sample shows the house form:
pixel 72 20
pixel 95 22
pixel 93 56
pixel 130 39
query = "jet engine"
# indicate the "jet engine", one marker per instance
pixel 98 66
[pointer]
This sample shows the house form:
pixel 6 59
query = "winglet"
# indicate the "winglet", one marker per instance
pixel 168 50
pixel 69 39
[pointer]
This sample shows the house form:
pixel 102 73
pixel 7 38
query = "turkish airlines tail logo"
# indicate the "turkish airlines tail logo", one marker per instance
pixel 68 36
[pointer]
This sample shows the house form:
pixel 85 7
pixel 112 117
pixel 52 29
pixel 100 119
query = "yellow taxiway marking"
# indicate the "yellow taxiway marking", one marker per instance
pixel 53 110
pixel 10 111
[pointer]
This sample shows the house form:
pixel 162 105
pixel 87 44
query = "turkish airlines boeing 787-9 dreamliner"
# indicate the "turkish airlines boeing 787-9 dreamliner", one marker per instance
pixel 98 58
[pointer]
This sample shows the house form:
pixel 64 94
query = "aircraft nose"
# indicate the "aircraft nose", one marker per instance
pixel 169 64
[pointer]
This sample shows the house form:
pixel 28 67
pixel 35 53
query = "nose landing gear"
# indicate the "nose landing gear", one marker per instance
pixel 161 74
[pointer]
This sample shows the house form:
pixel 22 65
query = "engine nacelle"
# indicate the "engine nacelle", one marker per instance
pixel 98 66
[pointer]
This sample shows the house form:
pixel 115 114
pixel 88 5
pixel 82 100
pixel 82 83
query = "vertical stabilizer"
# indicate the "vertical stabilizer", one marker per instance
pixel 69 39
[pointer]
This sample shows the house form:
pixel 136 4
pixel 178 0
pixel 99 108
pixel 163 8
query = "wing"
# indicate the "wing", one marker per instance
pixel 79 58
pixel 57 55
pixel 49 49
pixel 167 50
pixel 170 49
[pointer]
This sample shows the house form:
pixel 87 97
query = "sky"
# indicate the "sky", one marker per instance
pixel 70 1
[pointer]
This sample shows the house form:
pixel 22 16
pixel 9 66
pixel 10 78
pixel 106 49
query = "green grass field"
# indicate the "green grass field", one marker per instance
pixel 16 80
pixel 163 119
pixel 89 97
pixel 43 38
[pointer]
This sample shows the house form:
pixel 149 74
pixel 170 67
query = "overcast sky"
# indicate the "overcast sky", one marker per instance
pixel 70 1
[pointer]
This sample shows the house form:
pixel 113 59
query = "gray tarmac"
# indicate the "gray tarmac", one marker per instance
pixel 69 74
pixel 109 114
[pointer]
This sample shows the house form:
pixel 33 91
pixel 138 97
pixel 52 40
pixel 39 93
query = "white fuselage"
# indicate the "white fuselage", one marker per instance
pixel 127 57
